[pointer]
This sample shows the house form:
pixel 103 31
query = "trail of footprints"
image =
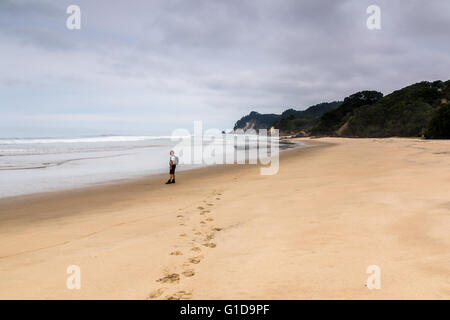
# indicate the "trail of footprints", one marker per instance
pixel 195 235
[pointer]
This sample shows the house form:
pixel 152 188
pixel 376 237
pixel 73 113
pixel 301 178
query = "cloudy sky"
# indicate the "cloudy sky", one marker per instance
pixel 147 67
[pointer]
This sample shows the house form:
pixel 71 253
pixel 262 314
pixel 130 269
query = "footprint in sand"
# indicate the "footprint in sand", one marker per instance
pixel 196 260
pixel 202 222
pixel 176 253
pixel 198 233
pixel 200 208
pixel 209 236
pixel 210 245
pixel 183 235
pixel 188 273
pixel 180 216
pixel 209 219
pixel 196 249
pixel 218 229
pixel 179 295
pixel 210 204
pixel 156 293
pixel 170 278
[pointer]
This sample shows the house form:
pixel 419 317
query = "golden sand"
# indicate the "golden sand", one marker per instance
pixel 308 232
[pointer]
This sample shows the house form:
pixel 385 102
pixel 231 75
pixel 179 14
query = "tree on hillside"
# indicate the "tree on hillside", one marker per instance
pixel 439 125
pixel 331 121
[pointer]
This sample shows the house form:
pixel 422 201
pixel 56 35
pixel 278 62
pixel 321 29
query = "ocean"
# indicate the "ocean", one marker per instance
pixel 51 164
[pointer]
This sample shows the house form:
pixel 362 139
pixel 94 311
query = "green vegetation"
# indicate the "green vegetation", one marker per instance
pixel 331 122
pixel 293 122
pixel 439 125
pixel 289 121
pixel 403 113
pixel 418 110
pixel 255 120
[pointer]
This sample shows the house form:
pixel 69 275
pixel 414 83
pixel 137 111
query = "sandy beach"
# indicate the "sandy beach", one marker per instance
pixel 308 232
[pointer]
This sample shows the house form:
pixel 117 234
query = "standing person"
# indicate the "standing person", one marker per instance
pixel 173 161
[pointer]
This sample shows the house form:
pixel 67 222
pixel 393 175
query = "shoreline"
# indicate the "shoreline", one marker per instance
pixel 119 181
pixel 310 231
pixel 129 182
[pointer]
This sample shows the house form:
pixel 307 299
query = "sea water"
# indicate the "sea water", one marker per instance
pixel 51 164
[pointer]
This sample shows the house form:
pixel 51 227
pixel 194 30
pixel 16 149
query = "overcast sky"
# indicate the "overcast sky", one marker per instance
pixel 147 67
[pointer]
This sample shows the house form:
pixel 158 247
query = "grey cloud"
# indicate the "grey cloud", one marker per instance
pixel 40 24
pixel 231 56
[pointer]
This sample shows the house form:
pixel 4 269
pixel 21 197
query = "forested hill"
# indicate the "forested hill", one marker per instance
pixel 421 109
pixel 308 118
